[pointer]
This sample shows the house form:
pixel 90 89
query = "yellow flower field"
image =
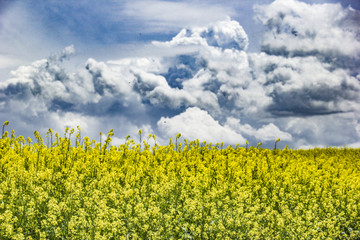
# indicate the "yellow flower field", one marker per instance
pixel 54 188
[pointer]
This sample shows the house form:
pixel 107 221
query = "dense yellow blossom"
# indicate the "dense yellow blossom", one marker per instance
pixel 76 188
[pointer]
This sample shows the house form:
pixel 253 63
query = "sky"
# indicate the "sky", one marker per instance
pixel 218 71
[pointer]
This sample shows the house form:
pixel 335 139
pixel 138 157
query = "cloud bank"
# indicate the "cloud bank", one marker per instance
pixel 303 87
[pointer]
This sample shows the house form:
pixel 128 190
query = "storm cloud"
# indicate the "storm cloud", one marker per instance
pixel 303 87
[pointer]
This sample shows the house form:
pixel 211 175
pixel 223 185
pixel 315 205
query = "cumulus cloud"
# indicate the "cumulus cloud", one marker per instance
pixel 326 130
pixel 327 31
pixel 195 122
pixel 268 132
pixel 45 93
pixel 217 71
pixel 226 34
pixel 309 67
pixel 305 85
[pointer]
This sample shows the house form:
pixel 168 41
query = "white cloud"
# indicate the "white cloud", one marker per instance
pixel 325 130
pixel 225 34
pixel 265 133
pixel 271 132
pixel 194 124
pixel 298 28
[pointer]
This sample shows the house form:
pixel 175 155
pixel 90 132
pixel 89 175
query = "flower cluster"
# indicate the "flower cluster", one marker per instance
pixel 84 189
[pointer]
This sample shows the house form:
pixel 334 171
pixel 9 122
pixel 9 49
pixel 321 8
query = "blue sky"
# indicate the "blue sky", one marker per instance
pixel 226 71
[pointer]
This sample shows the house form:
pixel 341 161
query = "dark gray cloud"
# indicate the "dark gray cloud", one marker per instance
pixel 306 86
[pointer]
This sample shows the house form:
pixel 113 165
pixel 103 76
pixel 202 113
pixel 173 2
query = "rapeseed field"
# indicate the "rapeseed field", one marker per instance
pixel 71 187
